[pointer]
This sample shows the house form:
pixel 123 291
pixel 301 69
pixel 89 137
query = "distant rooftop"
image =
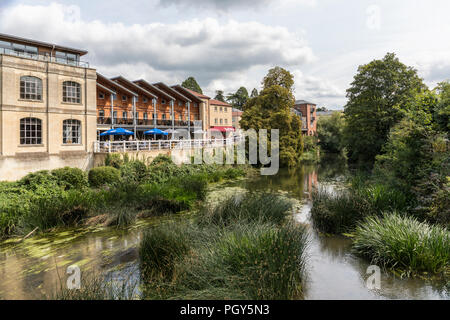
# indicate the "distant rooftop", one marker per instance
pixel 297 102
pixel 219 103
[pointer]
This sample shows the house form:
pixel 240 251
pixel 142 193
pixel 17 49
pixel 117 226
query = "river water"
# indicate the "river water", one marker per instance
pixel 37 267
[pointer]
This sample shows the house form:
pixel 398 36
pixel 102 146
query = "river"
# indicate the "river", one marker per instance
pixel 36 268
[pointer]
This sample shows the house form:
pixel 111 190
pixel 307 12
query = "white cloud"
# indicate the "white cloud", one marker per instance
pixel 226 5
pixel 206 49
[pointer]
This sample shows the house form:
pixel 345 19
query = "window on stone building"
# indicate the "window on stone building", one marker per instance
pixel 30 131
pixel 71 131
pixel 30 88
pixel 71 92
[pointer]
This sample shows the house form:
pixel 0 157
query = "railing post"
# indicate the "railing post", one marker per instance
pixel 109 147
pixel 124 147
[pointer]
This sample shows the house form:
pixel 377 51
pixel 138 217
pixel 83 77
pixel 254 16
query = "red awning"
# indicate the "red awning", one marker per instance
pixel 223 129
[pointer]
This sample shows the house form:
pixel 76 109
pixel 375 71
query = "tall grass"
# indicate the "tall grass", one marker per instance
pixel 403 243
pixel 243 248
pixel 245 208
pixel 161 247
pixel 337 212
pixel 340 211
pixel 248 261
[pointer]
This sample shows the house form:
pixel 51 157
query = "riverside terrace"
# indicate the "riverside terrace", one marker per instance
pixel 140 106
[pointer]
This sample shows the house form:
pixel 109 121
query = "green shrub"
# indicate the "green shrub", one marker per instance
pixel 114 160
pixel 403 243
pixel 133 171
pixel 38 179
pixel 103 176
pixel 62 208
pixel 70 178
pixel 195 183
pixel 165 198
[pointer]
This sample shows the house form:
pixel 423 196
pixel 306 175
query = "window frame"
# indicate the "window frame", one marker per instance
pixel 26 83
pixel 74 88
pixel 72 136
pixel 30 131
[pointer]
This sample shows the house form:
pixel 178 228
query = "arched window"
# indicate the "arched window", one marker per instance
pixel 71 131
pixel 71 92
pixel 30 131
pixel 30 88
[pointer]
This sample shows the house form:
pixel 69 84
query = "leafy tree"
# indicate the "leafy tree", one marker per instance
pixel 271 109
pixel 380 93
pixel 416 159
pixel 330 131
pixel 442 112
pixel 280 77
pixel 238 99
pixel 191 83
pixel 219 96
pixel 254 93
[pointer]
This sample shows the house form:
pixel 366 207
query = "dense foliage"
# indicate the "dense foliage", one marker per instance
pixel 271 109
pixel 330 133
pixel 379 94
pixel 116 194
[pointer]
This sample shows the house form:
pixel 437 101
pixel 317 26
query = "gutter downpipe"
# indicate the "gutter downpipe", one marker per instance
pixel 134 116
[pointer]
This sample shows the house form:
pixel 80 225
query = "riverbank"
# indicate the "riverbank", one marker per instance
pixel 114 195
pixel 380 223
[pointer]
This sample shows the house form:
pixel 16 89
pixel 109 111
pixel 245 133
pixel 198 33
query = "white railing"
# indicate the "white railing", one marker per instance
pixel 149 145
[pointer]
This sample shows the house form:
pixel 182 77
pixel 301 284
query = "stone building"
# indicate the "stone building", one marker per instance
pixel 47 107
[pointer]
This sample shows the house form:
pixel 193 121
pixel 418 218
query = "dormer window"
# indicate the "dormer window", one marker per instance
pixel 124 98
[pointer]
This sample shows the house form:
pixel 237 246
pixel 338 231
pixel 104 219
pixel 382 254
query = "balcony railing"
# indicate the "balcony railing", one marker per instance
pixel 45 58
pixel 149 145
pixel 144 122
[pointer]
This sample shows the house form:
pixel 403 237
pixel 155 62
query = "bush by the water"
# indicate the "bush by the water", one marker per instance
pixel 71 178
pixel 101 176
pixel 403 243
pixel 248 207
pixel 340 211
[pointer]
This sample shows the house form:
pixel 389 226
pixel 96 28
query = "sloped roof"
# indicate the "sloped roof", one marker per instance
pixel 219 103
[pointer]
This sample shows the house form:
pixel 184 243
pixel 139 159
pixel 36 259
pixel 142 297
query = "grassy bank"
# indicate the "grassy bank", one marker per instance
pixel 235 250
pixel 395 241
pixel 115 194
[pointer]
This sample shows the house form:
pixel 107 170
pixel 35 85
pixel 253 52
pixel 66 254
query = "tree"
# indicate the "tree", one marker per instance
pixel 280 77
pixel 238 99
pixel 330 131
pixel 219 96
pixel 442 112
pixel 271 109
pixel 191 83
pixel 379 94
pixel 254 93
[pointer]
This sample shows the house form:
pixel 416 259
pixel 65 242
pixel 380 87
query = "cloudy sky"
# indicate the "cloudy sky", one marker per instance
pixel 225 44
